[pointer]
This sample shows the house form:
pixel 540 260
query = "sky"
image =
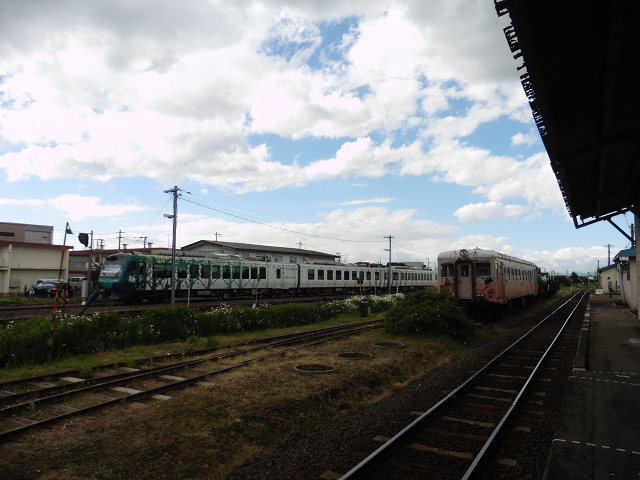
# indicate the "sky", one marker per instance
pixel 317 124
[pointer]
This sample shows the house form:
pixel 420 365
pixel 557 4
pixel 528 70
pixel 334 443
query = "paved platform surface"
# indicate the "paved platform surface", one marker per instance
pixel 598 433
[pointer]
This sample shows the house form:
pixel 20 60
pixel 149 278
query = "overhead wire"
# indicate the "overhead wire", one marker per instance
pixel 279 228
pixel 411 249
pixel 253 211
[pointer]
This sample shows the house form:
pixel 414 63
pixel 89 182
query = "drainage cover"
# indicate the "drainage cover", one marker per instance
pixel 389 344
pixel 315 368
pixel 354 355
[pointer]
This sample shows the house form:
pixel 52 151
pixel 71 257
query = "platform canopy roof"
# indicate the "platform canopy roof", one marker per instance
pixel 580 68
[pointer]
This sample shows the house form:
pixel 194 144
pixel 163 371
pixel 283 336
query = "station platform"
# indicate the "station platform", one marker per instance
pixel 598 433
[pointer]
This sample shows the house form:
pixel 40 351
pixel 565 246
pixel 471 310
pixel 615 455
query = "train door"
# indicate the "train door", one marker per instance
pixel 141 276
pixel 500 274
pixel 464 280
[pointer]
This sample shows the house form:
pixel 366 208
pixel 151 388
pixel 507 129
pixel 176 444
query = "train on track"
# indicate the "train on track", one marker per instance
pixel 135 277
pixel 479 278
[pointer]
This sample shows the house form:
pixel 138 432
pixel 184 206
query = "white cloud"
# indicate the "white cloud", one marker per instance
pixel 528 139
pixel 371 200
pixel 76 207
pixel 488 211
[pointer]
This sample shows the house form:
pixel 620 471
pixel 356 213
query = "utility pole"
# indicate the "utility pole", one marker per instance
pixel 389 250
pixel 217 235
pixel 174 190
pixel 119 238
pixel 608 253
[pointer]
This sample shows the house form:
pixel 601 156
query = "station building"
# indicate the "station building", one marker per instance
pixel 627 268
pixel 610 271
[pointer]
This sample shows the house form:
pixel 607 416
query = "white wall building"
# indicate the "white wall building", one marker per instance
pixel 23 263
pixel 628 276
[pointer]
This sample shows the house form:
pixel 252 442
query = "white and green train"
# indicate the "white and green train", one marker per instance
pixel 134 277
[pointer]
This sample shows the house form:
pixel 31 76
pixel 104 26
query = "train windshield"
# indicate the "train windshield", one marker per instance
pixel 483 269
pixel 446 270
pixel 113 266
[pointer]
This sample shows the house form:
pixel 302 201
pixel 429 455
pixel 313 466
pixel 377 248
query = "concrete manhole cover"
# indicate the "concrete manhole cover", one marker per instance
pixel 389 344
pixel 315 368
pixel 354 355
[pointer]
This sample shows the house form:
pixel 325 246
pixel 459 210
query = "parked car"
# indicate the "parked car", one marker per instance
pixel 48 290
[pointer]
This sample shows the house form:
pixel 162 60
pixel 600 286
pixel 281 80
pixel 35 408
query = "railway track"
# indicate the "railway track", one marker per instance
pixel 479 429
pixel 22 312
pixel 36 402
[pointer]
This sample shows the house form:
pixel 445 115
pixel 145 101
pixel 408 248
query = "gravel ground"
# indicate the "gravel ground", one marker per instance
pixel 342 444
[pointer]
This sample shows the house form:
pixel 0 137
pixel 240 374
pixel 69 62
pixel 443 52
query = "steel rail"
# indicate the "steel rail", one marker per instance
pixel 93 385
pixel 158 358
pixel 481 455
pixel 392 443
pixel 5 436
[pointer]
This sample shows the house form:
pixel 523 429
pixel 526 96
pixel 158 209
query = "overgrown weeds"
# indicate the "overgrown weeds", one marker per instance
pixel 429 312
pixel 26 342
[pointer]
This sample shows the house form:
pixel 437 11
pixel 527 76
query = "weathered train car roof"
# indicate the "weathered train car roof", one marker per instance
pixel 580 72
pixel 482 253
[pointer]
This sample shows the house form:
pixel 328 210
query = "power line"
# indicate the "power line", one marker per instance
pixel 411 249
pixel 279 228
pixel 249 210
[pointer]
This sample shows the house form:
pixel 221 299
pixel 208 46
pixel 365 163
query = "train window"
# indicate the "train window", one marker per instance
pixel 346 274
pixel 226 272
pixel 338 274
pixel 131 267
pixel 483 269
pixel 377 276
pixel 205 270
pixel 156 270
pixel 254 273
pixel 310 274
pixel 464 270
pixel 320 274
pixel 245 273
pixel 277 273
pixel 361 274
pixel 194 271
pixel 162 270
pixel 395 275
pixel 263 272
pixel 235 272
pixel 446 270
pixel 329 274
pixel 182 271
pixel 354 275
pixel 368 275
pixel 215 271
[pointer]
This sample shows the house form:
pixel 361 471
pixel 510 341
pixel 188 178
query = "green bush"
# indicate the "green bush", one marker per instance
pixel 429 312
pixel 26 342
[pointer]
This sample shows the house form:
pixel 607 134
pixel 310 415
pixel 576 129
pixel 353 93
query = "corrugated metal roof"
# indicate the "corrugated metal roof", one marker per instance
pixel 262 248
pixel 580 72
pixel 631 252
